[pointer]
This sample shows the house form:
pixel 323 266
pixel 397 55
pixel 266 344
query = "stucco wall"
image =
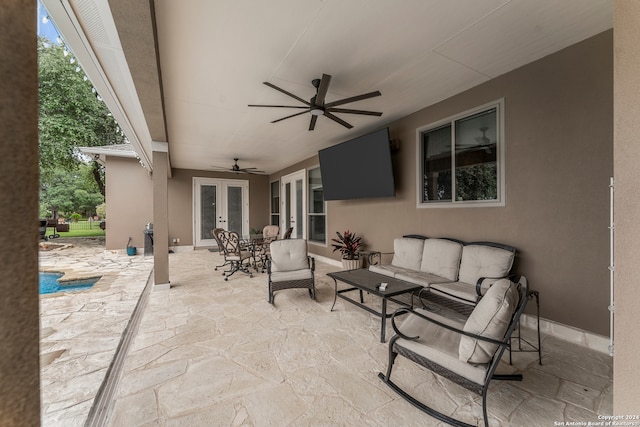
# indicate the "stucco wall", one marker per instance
pixel 626 379
pixel 19 333
pixel 559 130
pixel 129 198
pixel 181 201
pixel 130 203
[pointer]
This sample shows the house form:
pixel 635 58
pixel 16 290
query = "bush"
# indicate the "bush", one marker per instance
pixel 76 216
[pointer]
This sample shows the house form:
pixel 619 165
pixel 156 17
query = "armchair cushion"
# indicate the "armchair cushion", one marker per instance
pixel 484 261
pixel 407 253
pixel 289 255
pixel 285 276
pixel 441 257
pixel 439 345
pixel 490 318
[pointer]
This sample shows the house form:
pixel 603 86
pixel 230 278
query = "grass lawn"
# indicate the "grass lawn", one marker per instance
pixel 80 229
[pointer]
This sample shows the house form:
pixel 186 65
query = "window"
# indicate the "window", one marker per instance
pixel 275 203
pixel 461 160
pixel 316 211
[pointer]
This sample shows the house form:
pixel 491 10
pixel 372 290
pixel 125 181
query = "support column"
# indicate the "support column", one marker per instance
pixel 626 158
pixel 160 215
pixel 19 300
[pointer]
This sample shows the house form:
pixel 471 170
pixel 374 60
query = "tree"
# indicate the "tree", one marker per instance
pixel 66 192
pixel 71 114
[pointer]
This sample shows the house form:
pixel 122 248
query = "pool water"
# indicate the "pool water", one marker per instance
pixel 49 284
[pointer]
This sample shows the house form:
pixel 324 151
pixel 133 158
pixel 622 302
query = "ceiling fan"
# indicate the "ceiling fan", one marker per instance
pixel 317 106
pixel 237 169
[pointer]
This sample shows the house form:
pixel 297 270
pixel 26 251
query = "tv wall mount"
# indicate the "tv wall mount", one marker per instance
pixel 316 106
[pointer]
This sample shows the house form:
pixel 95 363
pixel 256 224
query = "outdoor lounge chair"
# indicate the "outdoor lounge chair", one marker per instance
pixel 235 253
pixel 466 353
pixel 290 267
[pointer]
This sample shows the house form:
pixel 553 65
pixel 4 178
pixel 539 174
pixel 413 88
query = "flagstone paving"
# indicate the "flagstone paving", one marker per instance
pixel 80 331
pixel 210 352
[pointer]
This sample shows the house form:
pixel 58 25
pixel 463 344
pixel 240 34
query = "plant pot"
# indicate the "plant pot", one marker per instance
pixel 131 250
pixel 352 264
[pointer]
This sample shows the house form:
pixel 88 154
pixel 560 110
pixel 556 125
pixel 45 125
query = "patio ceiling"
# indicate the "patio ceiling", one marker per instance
pixel 184 72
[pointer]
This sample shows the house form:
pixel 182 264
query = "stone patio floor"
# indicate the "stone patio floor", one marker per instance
pixel 210 352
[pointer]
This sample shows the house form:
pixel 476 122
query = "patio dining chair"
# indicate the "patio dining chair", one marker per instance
pixel 290 267
pixel 235 253
pixel 269 234
pixel 216 236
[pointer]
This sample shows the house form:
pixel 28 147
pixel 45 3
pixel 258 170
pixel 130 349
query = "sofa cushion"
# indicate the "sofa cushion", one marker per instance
pixel 389 270
pixel 484 261
pixel 407 253
pixel 420 278
pixel 289 254
pixel 441 257
pixel 490 318
pixel 460 290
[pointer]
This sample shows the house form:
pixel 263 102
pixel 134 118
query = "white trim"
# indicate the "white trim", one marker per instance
pixel 291 179
pixel 310 214
pixel 161 287
pixel 160 146
pixel 568 333
pixel 185 248
pixel 326 260
pixel 500 161
pixel 221 184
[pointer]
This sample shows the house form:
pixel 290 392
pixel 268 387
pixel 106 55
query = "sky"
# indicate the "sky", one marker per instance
pixel 46 27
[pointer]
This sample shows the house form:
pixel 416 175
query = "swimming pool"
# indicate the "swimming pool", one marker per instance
pixel 49 283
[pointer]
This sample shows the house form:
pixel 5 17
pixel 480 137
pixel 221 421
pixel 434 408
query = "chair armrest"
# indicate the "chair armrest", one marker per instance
pixel 312 262
pixel 482 279
pixel 405 310
pixel 374 258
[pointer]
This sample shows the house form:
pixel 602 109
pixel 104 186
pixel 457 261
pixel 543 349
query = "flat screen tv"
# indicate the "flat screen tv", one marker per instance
pixel 360 168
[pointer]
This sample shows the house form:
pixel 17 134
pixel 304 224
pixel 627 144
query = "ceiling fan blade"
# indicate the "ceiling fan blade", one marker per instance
pixel 312 124
pixel 353 99
pixel 278 106
pixel 293 115
pixel 322 89
pixel 337 119
pixel 346 110
pixel 287 93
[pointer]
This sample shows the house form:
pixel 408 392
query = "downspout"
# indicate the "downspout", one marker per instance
pixel 611 263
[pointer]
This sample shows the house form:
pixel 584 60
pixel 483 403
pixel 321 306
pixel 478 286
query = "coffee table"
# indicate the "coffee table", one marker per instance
pixel 368 281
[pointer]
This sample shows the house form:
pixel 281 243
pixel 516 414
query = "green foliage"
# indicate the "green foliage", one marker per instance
pixel 71 113
pixel 348 244
pixel 66 192
pixel 478 182
pixel 101 210
pixel 76 216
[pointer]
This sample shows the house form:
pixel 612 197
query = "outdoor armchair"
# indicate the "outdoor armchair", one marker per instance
pixel 290 267
pixel 466 352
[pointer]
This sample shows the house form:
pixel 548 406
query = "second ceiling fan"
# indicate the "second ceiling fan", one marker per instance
pixel 317 106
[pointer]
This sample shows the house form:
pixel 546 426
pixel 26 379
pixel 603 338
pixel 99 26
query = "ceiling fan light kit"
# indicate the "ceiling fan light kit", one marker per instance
pixel 316 105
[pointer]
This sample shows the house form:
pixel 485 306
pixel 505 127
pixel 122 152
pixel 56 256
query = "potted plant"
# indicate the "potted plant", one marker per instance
pixel 349 246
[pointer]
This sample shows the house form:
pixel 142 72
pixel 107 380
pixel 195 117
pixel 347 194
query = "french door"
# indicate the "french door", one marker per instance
pixel 292 199
pixel 219 203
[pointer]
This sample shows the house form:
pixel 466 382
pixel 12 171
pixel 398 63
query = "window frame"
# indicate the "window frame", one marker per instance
pixel 271 213
pixel 309 214
pixel 500 160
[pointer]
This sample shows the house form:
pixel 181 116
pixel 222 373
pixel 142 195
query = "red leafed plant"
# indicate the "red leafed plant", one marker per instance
pixel 348 244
